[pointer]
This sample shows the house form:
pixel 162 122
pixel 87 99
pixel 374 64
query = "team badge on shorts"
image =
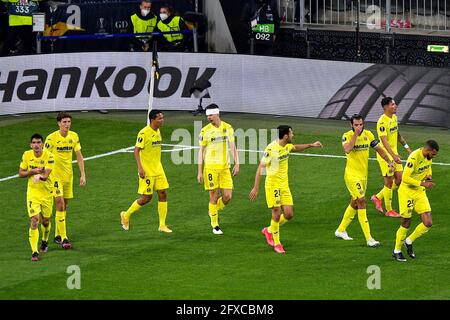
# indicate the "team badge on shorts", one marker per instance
pixel 58 192
pixel 278 201
pixel 211 184
pixel 32 211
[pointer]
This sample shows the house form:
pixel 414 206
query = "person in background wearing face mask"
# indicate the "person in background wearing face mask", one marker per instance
pixel 144 20
pixel 169 22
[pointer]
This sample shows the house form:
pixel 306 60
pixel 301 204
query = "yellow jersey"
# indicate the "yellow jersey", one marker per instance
pixel 276 160
pixel 149 141
pixel 358 159
pixel 62 149
pixel 216 142
pixel 42 189
pixel 388 127
pixel 416 169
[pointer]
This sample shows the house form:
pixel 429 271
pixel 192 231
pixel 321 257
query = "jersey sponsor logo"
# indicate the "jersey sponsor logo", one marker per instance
pixel 393 129
pixel 361 146
pixel 219 139
pixel 284 156
pixel 64 149
pixel 422 169
pixel 156 142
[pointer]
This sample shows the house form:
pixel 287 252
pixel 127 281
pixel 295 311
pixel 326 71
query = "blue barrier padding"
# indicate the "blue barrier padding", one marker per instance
pixel 108 36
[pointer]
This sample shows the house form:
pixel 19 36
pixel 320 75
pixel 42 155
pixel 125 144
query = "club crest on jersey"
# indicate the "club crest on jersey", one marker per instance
pixel 70 141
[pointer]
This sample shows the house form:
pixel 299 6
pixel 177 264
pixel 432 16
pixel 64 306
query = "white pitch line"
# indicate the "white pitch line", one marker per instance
pixel 85 159
pixel 186 147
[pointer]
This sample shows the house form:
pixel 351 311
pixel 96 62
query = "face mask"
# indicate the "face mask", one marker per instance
pixel 145 12
pixel 163 16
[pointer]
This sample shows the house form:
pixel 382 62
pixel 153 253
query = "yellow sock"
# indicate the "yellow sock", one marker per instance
pixel 362 217
pixel 220 204
pixel 380 194
pixel 387 193
pixel 135 206
pixel 33 238
pixel 56 227
pixel 162 212
pixel 400 238
pixel 61 223
pixel 275 231
pixel 283 220
pixel 46 231
pixel 214 215
pixel 420 230
pixel 347 219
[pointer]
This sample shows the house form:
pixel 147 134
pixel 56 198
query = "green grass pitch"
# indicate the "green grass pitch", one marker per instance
pixel 192 263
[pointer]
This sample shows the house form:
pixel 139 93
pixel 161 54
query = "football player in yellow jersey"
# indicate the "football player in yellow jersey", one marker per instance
pixel 278 194
pixel 62 143
pixel 36 165
pixel 388 134
pixel 214 139
pixel 152 177
pixel 417 177
pixel 356 144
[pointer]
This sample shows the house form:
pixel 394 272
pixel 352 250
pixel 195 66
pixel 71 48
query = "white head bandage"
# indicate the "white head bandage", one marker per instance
pixel 212 111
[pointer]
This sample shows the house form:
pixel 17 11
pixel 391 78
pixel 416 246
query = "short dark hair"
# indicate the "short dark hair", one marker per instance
pixel 283 130
pixel 153 114
pixel 356 116
pixel 432 144
pixel 212 106
pixel 168 7
pixel 36 136
pixel 385 101
pixel 61 115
